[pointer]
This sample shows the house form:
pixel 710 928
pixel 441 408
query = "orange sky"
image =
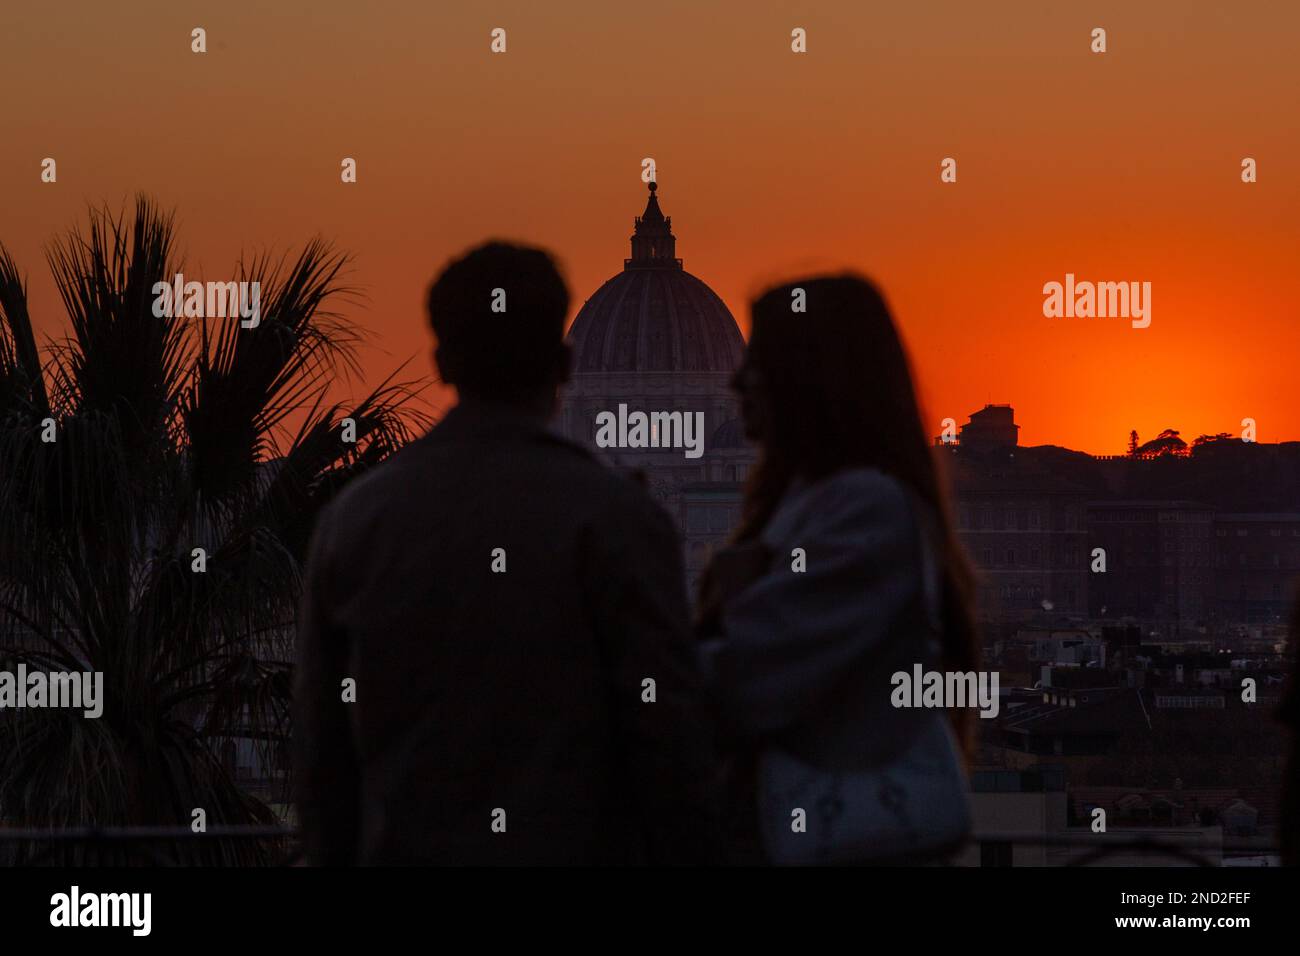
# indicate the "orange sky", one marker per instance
pixel 1122 166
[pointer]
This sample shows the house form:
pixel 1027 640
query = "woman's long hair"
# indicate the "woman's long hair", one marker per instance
pixel 837 393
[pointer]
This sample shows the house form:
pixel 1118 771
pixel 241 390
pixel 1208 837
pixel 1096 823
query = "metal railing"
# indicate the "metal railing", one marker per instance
pixel 147 843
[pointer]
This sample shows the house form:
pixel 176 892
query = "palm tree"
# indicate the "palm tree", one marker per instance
pixel 168 435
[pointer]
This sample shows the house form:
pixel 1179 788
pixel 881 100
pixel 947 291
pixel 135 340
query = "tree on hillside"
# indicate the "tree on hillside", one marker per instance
pixel 1166 443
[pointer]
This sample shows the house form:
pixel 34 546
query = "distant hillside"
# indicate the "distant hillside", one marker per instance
pixel 1229 475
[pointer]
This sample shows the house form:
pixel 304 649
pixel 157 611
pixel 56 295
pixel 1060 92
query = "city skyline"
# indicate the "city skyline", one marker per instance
pixel 986 554
pixel 767 173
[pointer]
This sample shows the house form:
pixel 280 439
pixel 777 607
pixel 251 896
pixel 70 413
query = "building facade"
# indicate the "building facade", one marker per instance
pixel 655 339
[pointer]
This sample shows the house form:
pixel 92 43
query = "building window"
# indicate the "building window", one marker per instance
pixel 696 520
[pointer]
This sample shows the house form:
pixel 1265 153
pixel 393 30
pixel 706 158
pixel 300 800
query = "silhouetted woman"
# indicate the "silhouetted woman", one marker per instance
pixel 843 572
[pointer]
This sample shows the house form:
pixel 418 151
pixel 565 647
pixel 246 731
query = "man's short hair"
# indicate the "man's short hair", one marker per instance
pixel 498 314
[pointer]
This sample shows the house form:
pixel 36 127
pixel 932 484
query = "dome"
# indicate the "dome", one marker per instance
pixel 654 316
pixel 655 320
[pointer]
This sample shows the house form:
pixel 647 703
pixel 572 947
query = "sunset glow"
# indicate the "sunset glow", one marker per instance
pixel 1122 167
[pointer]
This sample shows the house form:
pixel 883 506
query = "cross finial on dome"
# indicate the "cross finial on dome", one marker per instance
pixel 652 212
pixel 653 243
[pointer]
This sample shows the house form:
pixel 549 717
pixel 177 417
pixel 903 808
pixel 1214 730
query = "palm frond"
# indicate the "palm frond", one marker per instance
pixel 22 386
pixel 172 438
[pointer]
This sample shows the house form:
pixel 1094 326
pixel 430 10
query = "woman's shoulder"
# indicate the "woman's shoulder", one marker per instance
pixel 858 484
pixel 847 498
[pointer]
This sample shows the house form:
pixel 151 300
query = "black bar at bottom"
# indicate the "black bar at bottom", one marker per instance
pixel 933 906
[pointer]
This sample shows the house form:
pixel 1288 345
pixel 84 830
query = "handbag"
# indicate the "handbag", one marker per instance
pixel 913 809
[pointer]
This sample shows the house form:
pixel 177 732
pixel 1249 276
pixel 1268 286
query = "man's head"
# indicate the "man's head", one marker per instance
pixel 498 314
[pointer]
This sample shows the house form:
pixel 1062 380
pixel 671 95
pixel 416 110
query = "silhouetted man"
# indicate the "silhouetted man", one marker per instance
pixel 514 618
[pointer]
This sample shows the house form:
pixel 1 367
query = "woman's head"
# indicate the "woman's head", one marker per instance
pixel 825 385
